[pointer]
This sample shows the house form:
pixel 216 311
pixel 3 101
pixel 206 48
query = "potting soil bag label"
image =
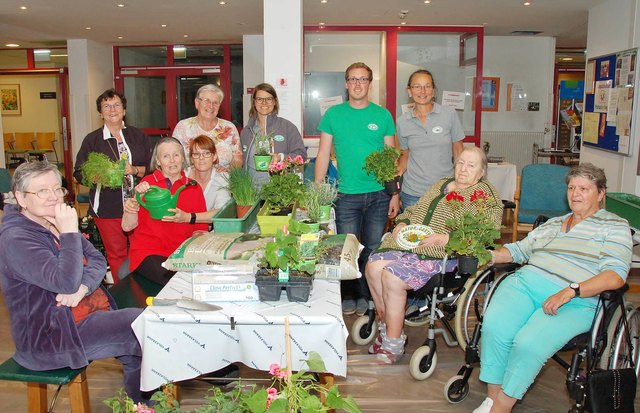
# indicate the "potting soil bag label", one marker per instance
pixel 338 257
pixel 215 248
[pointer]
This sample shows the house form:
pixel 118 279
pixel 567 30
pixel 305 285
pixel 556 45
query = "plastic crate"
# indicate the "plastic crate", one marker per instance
pixel 225 219
pixel 625 205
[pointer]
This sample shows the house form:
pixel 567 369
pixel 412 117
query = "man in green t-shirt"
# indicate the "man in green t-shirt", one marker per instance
pixel 355 129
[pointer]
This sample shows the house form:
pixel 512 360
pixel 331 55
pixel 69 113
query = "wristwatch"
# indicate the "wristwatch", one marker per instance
pixel 576 288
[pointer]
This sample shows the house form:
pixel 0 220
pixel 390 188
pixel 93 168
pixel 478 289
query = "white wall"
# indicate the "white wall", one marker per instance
pixel 613 27
pixel 253 63
pixel 526 60
pixel 90 74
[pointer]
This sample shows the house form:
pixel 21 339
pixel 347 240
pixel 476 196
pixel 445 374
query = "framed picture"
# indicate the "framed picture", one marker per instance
pixel 10 100
pixel 490 94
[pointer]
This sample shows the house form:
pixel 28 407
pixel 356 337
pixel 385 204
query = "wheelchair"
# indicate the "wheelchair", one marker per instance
pixel 443 294
pixel 612 343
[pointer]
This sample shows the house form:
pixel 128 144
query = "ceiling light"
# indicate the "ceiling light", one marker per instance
pixel 567 59
pixel 163 25
pixel 323 1
pixel 321 24
pixel 42 51
pixel 403 23
pixel 121 5
pixel 527 3
pixel 185 35
pixel 23 7
pixel 222 3
pixel 120 37
pixel 427 1
pixel 12 45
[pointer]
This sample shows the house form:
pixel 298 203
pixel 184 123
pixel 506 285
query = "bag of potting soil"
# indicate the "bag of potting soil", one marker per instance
pixel 338 254
pixel 338 257
pixel 211 248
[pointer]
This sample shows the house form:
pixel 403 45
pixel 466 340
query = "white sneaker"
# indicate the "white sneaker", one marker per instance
pixel 485 407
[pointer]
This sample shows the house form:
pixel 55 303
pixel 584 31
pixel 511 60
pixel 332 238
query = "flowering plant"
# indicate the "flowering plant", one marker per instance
pixel 473 232
pixel 282 190
pixel 286 165
pixel 288 392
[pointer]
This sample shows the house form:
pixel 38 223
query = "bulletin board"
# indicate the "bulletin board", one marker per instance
pixel 609 94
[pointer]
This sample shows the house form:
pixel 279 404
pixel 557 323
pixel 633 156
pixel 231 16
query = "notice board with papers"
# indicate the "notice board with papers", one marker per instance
pixel 607 123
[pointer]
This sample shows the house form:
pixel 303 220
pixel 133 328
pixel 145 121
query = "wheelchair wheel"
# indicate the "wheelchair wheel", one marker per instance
pixel 455 391
pixel 477 293
pixel 605 343
pixel 419 366
pixel 361 333
pixel 620 349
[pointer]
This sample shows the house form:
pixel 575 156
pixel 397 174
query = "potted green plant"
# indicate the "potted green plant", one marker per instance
pixel 383 165
pixel 288 392
pixel 472 233
pixel 319 199
pixel 100 169
pixel 262 154
pixel 242 189
pixel 280 194
pixel 282 266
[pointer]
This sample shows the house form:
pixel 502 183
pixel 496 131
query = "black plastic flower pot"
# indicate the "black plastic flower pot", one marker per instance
pixel 298 288
pixel 393 187
pixel 467 264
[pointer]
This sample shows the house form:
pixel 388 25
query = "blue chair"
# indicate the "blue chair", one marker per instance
pixel 5 181
pixel 541 191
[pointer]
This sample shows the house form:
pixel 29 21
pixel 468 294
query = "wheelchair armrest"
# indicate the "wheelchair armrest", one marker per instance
pixel 505 267
pixel 610 295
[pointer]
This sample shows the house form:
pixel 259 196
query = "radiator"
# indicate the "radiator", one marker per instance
pixel 515 147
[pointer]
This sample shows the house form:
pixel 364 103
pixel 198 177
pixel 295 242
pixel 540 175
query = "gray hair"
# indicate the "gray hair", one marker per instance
pixel 483 157
pixel 211 88
pixel 163 140
pixel 591 172
pixel 28 171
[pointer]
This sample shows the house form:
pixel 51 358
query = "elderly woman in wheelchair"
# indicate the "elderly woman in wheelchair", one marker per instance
pixel 393 270
pixel 536 311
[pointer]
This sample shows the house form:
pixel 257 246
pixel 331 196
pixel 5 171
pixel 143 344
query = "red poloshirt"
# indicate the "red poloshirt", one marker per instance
pixel 155 237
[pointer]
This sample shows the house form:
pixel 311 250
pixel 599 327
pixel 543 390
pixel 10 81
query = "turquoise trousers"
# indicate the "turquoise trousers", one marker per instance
pixel 518 337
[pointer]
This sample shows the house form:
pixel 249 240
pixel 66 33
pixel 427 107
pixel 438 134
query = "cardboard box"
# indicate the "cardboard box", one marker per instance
pixel 225 283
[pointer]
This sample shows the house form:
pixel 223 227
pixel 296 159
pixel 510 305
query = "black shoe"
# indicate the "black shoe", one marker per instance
pixel 223 376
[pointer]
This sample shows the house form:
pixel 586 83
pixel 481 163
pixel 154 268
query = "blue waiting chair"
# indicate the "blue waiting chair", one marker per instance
pixel 542 190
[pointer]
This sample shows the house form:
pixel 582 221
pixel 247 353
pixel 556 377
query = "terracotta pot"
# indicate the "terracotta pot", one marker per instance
pixel 241 210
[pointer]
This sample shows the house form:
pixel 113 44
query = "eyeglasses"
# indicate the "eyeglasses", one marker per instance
pixel 115 106
pixel 198 155
pixel 361 80
pixel 265 100
pixel 421 87
pixel 45 192
pixel 207 101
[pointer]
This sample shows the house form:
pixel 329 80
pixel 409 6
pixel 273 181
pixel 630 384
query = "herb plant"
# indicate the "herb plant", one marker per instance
pixel 241 186
pixel 382 164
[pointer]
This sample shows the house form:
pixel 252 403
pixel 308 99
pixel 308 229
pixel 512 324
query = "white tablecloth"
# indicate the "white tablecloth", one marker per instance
pixel 179 344
pixel 503 176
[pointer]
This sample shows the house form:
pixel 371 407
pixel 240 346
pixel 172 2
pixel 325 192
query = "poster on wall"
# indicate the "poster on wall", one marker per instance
pixel 11 102
pixel 608 118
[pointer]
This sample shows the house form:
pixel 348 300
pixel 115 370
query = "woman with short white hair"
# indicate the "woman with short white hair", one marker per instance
pixel 222 132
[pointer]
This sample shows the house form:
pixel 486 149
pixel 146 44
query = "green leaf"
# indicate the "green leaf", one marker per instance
pixel 315 362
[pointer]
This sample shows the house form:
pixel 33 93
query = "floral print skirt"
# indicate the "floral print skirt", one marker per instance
pixel 410 268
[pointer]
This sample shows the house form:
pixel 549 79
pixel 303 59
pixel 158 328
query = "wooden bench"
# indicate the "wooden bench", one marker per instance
pixel 37 382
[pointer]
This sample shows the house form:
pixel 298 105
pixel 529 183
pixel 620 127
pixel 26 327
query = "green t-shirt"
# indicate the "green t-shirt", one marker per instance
pixel 356 133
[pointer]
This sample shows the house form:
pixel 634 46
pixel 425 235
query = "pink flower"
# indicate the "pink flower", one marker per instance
pixel 298 160
pixel 141 408
pixel 274 369
pixel 272 392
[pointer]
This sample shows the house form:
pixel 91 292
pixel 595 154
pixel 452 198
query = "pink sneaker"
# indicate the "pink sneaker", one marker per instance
pixel 376 346
pixel 388 357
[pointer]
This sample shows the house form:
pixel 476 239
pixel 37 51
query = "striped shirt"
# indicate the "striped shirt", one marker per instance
pixel 599 243
pixel 434 210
